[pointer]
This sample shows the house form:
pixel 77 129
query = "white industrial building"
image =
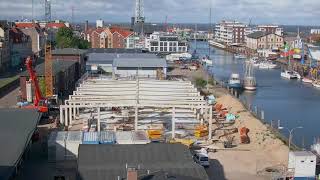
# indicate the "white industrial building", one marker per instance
pixel 141 67
pixel 126 64
pixel 143 104
pixel 302 164
pixel 165 43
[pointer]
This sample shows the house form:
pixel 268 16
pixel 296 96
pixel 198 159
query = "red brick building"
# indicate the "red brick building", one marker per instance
pixel 119 36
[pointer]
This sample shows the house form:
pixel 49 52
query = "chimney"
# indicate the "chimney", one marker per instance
pixel 86 26
pixel 132 174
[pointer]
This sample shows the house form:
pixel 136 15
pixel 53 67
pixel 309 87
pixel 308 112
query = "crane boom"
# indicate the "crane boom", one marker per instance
pixel 34 80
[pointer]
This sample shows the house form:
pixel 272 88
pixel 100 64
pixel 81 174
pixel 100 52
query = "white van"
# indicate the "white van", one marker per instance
pixel 201 157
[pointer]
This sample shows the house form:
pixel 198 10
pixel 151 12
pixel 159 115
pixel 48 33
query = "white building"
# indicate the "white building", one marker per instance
pixel 270 29
pixel 99 23
pixel 229 32
pixel 302 164
pixel 135 42
pixel 161 42
pixel 315 31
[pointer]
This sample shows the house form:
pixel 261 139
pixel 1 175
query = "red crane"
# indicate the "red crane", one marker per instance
pixel 39 102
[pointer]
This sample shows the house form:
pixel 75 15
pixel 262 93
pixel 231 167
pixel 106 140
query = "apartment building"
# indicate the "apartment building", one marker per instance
pixel 262 40
pixel 230 32
pixel 165 43
pixel 20 47
pixel 34 31
pixel 270 29
pixel 4 45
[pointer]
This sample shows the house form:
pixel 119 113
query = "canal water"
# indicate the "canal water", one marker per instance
pixel 290 101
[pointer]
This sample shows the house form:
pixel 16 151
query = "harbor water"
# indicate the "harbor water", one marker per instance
pixel 290 101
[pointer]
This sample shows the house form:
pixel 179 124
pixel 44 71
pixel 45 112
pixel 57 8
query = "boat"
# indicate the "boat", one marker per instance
pixel 307 80
pixel 240 56
pixel 316 84
pixel 297 74
pixel 249 82
pixel 178 56
pixel 289 75
pixel 234 81
pixel 267 65
pixel 207 61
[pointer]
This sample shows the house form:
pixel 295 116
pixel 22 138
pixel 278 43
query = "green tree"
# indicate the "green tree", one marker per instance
pixel 66 39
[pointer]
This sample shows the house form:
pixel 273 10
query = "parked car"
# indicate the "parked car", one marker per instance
pixel 201 157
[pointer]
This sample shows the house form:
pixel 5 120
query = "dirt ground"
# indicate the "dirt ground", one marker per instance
pixel 9 100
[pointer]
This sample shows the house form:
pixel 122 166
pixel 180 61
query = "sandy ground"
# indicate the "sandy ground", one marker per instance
pixel 244 161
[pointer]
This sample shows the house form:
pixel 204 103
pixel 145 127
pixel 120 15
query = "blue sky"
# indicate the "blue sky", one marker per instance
pixel 295 12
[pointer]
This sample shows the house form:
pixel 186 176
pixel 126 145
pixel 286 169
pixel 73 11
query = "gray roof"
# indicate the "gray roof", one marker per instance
pixel 113 50
pixel 108 58
pixel 100 162
pixel 257 35
pixel 17 127
pixel 57 66
pixel 303 153
pixel 139 62
pixel 68 51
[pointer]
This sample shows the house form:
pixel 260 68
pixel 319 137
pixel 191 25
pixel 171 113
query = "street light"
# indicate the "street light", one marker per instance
pixel 290 133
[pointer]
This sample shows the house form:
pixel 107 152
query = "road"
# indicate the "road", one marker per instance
pixel 9 100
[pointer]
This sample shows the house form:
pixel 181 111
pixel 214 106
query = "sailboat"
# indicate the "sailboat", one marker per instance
pixel 249 82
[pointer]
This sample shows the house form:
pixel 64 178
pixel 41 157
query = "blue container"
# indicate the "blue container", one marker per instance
pixel 90 138
pixel 304 178
pixel 107 137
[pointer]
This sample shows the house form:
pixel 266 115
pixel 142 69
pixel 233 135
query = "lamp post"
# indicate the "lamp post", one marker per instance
pixel 290 133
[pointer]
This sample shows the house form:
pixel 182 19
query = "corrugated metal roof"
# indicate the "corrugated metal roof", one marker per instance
pixel 17 127
pixel 74 136
pixel 57 66
pixel 107 137
pixel 90 137
pixel 258 34
pixel 113 50
pixel 139 62
pixel 68 51
pixel 302 153
pixel 108 58
pixel 102 162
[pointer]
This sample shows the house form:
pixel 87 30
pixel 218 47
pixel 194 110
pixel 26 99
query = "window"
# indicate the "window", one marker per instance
pixel 311 161
pixel 161 48
pixel 302 161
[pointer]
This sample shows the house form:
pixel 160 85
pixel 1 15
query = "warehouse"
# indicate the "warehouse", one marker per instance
pixel 16 130
pixel 151 161
pixel 142 67
pixel 64 78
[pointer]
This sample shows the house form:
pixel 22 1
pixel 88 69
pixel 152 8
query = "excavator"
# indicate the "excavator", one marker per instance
pixel 39 102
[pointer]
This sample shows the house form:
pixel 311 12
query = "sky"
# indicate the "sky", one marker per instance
pixel 285 12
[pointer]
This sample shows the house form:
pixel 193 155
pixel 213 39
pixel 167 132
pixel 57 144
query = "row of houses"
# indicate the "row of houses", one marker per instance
pixel 21 39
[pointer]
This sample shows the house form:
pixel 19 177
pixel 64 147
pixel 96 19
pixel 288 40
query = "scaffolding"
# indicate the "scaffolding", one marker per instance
pixel 180 101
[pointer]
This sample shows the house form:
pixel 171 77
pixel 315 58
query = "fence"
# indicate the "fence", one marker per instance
pixel 258 113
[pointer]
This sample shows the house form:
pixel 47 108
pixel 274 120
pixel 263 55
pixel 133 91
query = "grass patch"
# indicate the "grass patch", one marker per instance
pixel 5 81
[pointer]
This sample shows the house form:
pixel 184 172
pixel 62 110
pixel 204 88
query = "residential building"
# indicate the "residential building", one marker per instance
pixel 135 42
pixel 270 29
pixel 121 37
pixel 229 32
pixel 4 46
pixel 152 161
pixel 21 47
pixel 99 23
pixel 36 34
pixel 263 42
pixel 315 31
pixel 165 43
pixel 293 41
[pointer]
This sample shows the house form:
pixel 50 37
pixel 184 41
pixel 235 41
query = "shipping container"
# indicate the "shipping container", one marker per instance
pixel 124 137
pixel 302 164
pixel 140 137
pixel 90 138
pixel 74 139
pixel 56 146
pixel 107 137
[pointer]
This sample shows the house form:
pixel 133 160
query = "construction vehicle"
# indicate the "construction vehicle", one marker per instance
pixel 39 102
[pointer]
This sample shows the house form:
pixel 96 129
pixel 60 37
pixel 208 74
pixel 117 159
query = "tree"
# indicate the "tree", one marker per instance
pixel 66 39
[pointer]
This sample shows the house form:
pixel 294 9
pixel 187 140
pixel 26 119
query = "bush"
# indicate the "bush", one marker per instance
pixel 201 83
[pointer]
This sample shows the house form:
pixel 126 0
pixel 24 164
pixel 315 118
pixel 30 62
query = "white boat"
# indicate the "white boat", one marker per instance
pixel 316 84
pixel 207 61
pixel 297 74
pixel 249 82
pixel 178 56
pixel 267 65
pixel 307 80
pixel 240 56
pixel 289 75
pixel 234 81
